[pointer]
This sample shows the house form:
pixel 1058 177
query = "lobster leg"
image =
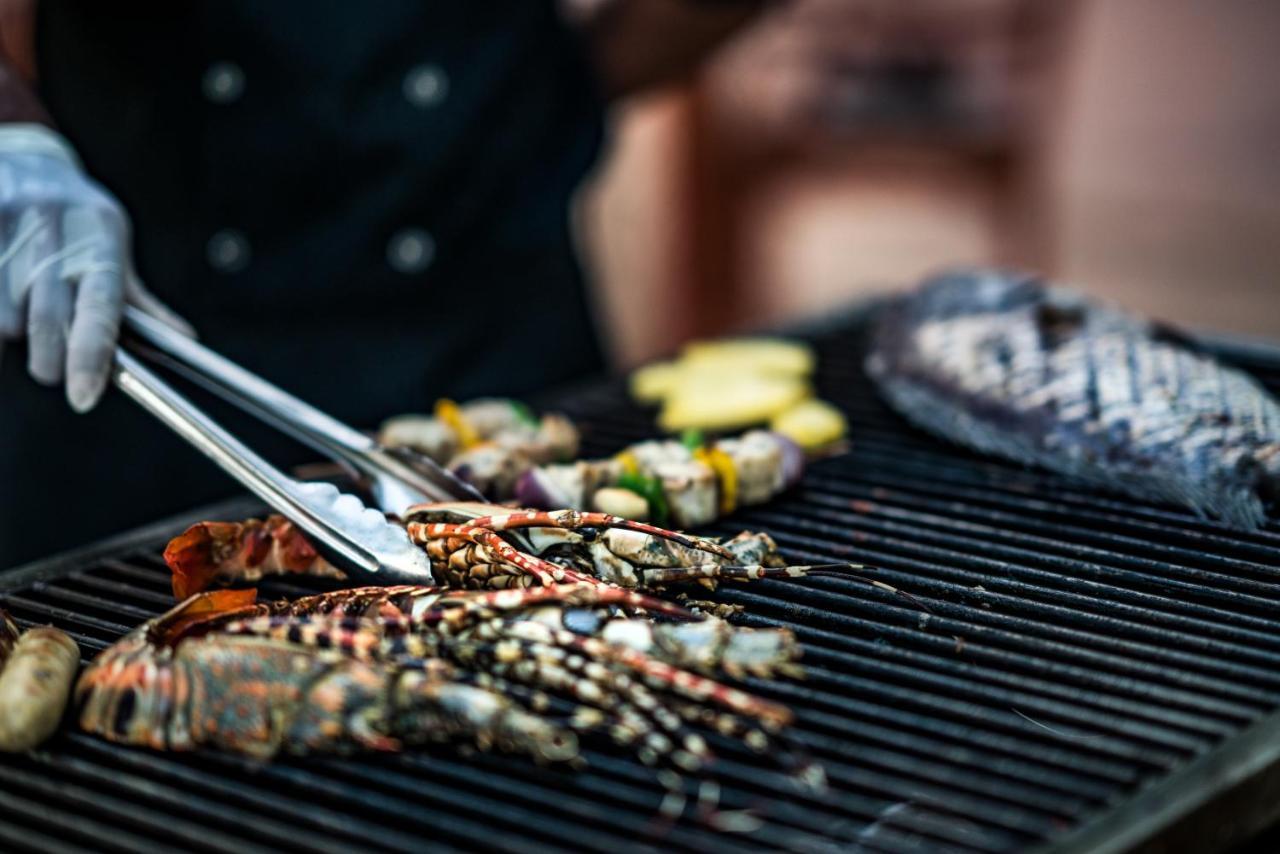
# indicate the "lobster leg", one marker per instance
pixel 488 603
pixel 751 720
pixel 714 571
pixel 575 519
pixel 657 674
pixel 626 709
pixel 545 571
pixel 682 682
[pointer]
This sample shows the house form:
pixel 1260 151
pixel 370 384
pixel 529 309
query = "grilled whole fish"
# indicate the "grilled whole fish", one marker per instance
pixel 1010 366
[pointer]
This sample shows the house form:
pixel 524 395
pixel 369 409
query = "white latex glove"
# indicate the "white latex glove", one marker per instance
pixel 65 268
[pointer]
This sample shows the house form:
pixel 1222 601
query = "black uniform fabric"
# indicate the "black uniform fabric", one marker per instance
pixel 318 162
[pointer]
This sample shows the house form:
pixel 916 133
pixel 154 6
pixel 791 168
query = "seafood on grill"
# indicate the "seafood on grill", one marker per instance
pixel 176 683
pixel 617 616
pixel 36 670
pixel 488 443
pixel 683 483
pixel 380 668
pixel 1011 366
pixel 489 546
pixel 213 552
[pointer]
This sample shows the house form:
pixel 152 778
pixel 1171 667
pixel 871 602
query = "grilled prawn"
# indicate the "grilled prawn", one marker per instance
pixel 487 546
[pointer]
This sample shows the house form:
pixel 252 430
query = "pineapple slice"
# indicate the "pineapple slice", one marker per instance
pixel 652 383
pixel 771 356
pixel 811 424
pixel 729 401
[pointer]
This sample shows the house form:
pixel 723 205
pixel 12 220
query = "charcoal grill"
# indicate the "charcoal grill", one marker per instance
pixel 1090 674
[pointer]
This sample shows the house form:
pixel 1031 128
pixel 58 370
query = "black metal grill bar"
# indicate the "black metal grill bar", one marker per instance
pixel 159 581
pixel 77 798
pixel 26 610
pixel 22 607
pixel 832 741
pixel 835 652
pixel 1002 481
pixel 757 603
pixel 946 574
pixel 1021 634
pixel 187 800
pixel 905 728
pixel 457 803
pixel 76 832
pixel 1060 650
pixel 860 738
pixel 318 828
pixel 908 485
pixel 988 662
pixel 1056 543
pixel 1035 646
pixel 994 708
pixel 120 591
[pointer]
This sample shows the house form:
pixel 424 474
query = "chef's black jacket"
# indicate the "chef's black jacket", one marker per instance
pixel 366 203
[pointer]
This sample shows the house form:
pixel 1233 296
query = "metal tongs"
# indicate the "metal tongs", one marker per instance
pixel 355 538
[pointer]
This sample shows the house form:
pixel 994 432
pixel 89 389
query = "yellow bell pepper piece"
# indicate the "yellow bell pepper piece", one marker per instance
pixel 630 464
pixel 451 414
pixel 722 464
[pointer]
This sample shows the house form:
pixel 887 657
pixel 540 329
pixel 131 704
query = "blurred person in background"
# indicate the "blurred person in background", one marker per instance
pixel 365 203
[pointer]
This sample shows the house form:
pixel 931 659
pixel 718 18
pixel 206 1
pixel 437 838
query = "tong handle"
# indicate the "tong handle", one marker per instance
pixel 274 487
pixel 400 477
pixel 224 377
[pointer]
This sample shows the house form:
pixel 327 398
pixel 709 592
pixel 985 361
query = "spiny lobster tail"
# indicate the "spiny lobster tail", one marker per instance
pixel 210 552
pixel 127 693
pixel 194 556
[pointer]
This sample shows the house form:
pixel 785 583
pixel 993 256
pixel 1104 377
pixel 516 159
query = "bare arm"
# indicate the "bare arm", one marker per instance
pixel 636 44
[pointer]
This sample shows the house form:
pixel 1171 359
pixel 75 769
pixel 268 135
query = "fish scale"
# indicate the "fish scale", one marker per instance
pixel 1011 366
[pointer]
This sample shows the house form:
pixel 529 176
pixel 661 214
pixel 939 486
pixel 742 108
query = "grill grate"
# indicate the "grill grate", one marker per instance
pixel 1076 649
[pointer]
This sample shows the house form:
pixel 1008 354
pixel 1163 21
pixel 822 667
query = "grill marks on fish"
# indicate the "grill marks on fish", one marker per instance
pixel 1012 367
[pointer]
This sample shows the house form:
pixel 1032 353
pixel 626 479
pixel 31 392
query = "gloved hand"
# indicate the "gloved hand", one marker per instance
pixel 65 268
